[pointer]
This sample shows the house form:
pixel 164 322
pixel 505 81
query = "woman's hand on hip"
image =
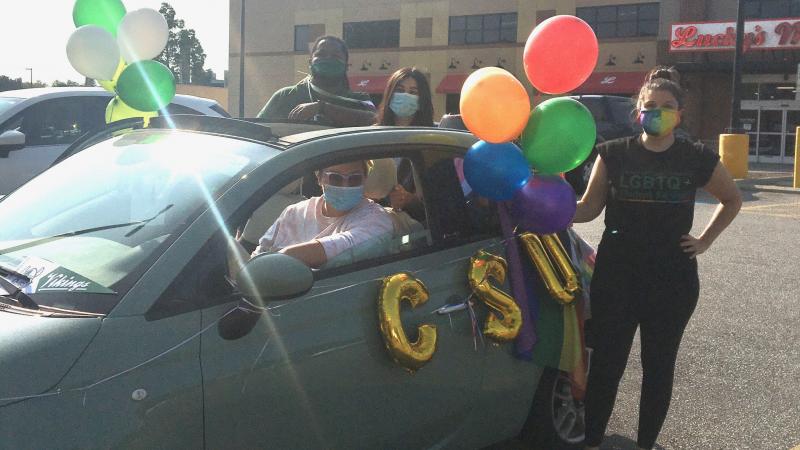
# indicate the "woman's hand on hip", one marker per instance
pixel 693 246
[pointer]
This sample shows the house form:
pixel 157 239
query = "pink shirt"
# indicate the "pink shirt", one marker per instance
pixel 304 222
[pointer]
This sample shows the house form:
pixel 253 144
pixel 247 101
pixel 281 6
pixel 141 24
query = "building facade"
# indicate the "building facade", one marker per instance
pixel 449 39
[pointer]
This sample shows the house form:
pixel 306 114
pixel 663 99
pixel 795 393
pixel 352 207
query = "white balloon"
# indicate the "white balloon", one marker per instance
pixel 142 34
pixel 93 52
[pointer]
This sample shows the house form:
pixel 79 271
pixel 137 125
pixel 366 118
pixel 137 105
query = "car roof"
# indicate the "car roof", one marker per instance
pixel 54 92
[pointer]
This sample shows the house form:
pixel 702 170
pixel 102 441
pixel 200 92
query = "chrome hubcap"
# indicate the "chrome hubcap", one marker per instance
pixel 568 413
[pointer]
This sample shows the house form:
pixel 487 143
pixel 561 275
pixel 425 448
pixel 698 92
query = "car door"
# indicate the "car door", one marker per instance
pixel 314 371
pixel 49 127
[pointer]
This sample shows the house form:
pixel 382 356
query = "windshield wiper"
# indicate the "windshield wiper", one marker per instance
pixel 140 223
pixel 14 292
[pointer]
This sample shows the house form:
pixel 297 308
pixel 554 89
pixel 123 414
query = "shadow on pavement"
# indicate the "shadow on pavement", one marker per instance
pixel 617 442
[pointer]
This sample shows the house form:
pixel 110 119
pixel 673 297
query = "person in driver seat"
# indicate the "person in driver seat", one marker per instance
pixel 319 229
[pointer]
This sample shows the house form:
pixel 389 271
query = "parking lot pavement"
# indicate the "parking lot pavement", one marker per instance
pixel 738 368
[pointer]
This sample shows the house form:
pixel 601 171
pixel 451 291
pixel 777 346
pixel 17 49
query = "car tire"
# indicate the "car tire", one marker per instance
pixel 556 419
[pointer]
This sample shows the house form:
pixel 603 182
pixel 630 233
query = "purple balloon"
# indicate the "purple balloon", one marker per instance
pixel 546 204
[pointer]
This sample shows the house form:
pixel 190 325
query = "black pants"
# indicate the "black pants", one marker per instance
pixel 654 287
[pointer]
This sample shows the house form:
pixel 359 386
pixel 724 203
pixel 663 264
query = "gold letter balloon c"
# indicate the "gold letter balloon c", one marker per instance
pixel 395 289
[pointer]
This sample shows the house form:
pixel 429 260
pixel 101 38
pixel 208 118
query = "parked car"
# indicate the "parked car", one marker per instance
pixel 36 125
pixel 613 115
pixel 130 316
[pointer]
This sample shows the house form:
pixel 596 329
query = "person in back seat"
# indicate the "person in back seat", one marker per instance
pixel 319 229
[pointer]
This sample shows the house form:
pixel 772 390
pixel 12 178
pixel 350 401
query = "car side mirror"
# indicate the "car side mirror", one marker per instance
pixel 11 140
pixel 274 276
pixel 267 277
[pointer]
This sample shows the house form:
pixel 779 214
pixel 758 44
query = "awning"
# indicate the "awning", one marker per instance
pixel 451 83
pixel 612 83
pixel 371 84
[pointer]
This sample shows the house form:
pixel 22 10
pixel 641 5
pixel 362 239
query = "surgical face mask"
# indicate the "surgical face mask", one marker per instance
pixel 404 105
pixel 342 198
pixel 328 67
pixel 659 121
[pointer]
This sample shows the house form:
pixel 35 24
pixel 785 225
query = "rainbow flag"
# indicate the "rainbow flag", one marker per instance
pixel 559 341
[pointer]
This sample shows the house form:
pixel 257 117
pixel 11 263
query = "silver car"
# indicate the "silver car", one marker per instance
pixel 37 125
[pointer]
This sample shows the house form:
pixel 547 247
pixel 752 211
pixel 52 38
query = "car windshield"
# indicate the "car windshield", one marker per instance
pixel 8 102
pixel 621 110
pixel 76 236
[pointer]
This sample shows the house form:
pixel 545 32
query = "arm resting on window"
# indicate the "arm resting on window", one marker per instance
pixel 343 116
pixel 311 253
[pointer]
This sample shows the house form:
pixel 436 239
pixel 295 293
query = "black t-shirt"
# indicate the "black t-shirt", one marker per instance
pixel 651 194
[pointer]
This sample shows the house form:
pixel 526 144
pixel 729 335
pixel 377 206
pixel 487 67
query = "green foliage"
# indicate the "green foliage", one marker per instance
pixel 9 84
pixel 183 54
pixel 68 83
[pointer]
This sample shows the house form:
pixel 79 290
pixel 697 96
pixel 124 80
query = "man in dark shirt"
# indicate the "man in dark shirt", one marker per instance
pixel 324 96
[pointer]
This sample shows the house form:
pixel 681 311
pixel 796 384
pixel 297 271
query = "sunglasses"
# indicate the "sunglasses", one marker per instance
pixel 343 180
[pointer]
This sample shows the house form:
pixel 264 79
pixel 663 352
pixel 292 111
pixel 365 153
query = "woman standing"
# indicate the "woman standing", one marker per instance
pixel 646 270
pixel 406 102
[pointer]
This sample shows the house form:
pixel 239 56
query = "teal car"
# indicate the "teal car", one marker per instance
pixel 131 315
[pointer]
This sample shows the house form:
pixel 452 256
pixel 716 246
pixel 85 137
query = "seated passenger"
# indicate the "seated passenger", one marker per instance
pixel 319 229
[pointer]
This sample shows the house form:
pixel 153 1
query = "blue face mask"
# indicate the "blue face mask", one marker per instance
pixel 342 198
pixel 404 105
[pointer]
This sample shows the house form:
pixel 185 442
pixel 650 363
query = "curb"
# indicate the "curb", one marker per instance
pixel 753 185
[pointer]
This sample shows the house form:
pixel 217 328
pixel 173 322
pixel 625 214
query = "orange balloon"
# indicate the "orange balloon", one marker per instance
pixel 494 105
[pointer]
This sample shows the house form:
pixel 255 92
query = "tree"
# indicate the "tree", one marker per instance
pixel 68 83
pixel 8 84
pixel 183 54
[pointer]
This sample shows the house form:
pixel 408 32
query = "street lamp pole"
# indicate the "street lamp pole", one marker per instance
pixel 30 69
pixel 241 62
pixel 736 97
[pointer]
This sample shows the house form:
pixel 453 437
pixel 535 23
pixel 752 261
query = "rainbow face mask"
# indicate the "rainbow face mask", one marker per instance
pixel 659 121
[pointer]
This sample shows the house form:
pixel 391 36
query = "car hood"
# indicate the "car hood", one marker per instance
pixel 36 352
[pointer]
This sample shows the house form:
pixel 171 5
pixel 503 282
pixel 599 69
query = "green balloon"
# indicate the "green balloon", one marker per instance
pixel 103 13
pixel 559 135
pixel 146 85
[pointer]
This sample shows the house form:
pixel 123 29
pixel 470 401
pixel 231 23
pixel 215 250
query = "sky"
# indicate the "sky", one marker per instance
pixel 34 34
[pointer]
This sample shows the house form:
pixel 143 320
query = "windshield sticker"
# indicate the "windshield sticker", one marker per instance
pixel 64 280
pixel 40 275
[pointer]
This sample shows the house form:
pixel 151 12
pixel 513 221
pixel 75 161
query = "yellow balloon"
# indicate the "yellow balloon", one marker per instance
pixel 395 289
pixel 111 85
pixel 118 110
pixel 544 251
pixel 483 267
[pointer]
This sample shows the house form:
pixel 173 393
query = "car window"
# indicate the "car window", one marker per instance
pixel 8 102
pixel 277 221
pixel 596 107
pixel 456 213
pixel 221 111
pixel 173 108
pixel 61 121
pixel 621 110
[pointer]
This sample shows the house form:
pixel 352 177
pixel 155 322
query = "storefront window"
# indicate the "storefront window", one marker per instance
pixel 749 91
pixel 771 9
pixel 776 91
pixel 621 20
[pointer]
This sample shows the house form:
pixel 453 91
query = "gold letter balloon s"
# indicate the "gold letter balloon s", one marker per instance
pixel 396 288
pixel 483 267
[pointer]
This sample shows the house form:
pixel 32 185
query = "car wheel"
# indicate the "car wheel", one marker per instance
pixel 556 419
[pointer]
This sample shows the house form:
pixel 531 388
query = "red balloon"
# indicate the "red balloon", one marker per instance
pixel 560 54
